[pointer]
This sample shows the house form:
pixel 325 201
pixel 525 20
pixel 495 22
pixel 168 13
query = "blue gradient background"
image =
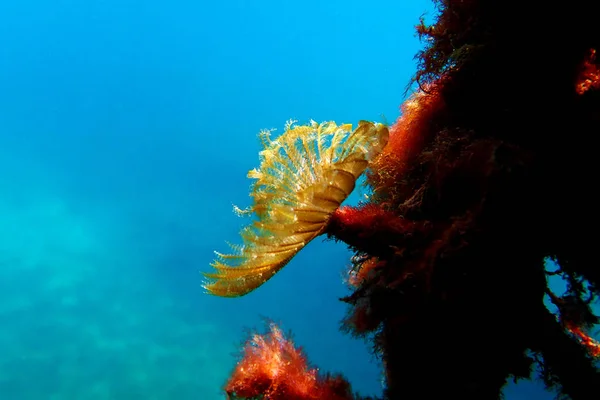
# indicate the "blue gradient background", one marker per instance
pixel 126 131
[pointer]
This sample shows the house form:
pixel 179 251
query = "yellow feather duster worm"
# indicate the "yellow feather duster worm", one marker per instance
pixel 304 176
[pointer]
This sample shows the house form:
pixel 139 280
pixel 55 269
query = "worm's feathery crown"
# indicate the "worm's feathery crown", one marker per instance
pixel 304 176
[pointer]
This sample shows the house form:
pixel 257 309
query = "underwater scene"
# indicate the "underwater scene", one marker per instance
pixel 188 189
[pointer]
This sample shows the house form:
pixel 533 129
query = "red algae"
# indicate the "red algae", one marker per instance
pixel 407 137
pixel 364 271
pixel 274 368
pixel 589 76
pixel 585 339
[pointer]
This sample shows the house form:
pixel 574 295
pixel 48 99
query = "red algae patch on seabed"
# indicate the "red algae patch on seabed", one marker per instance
pixel 273 368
